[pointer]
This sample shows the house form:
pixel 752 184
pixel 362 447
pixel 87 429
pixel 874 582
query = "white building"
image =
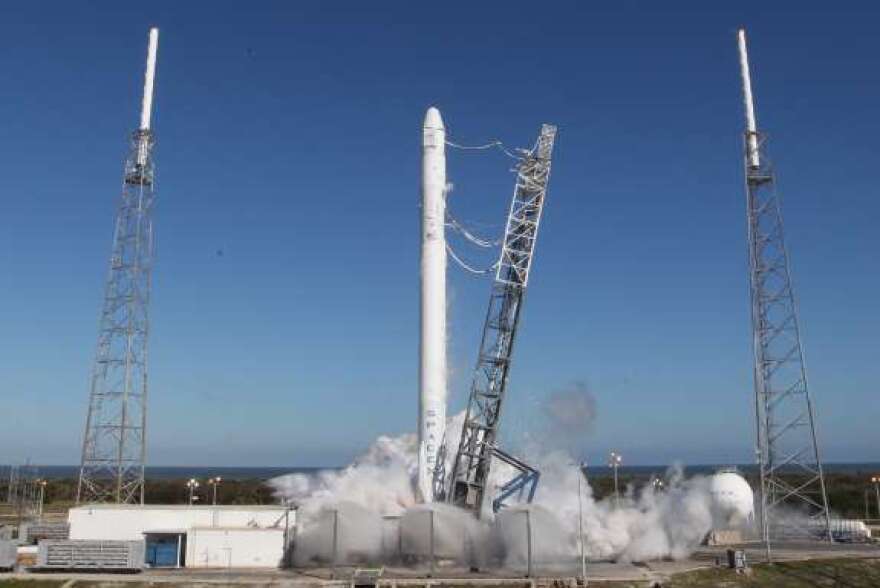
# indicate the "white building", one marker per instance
pixel 191 536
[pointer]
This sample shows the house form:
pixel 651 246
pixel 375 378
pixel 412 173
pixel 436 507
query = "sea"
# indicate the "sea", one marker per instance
pixel 269 472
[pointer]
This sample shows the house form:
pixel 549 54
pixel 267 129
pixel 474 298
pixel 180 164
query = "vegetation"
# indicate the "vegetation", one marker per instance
pixel 253 491
pixel 820 573
pixel 846 491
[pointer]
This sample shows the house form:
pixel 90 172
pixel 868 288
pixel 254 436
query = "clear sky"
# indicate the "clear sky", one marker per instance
pixel 285 309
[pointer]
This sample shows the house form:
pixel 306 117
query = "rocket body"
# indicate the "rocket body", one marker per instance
pixel 432 349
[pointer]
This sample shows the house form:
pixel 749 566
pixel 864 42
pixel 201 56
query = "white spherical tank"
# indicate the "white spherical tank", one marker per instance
pixel 732 498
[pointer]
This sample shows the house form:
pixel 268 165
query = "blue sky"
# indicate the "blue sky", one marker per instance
pixel 288 137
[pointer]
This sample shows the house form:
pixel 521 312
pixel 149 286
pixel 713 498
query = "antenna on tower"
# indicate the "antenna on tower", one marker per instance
pixel 787 449
pixel 114 444
pixel 754 158
pixel 147 103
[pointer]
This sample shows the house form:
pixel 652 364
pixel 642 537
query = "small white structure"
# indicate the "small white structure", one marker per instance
pixel 191 536
pixel 220 547
pixel 733 508
pixel 732 499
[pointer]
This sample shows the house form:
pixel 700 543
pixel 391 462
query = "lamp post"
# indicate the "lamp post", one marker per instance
pixel 614 463
pixel 215 482
pixel 192 484
pixel 582 467
pixel 657 483
pixel 876 481
pixel 42 484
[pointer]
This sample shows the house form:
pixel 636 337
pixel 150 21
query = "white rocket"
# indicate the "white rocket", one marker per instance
pixel 432 351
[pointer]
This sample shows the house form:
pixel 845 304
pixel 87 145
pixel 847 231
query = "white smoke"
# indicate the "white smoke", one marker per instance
pixel 372 506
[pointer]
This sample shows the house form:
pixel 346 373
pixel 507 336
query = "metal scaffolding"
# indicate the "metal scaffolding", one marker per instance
pixel 112 467
pixel 473 460
pixel 788 452
pixel 791 477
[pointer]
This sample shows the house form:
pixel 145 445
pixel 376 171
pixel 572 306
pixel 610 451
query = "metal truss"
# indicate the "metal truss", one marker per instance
pixel 479 433
pixel 526 479
pixel 791 478
pixel 113 449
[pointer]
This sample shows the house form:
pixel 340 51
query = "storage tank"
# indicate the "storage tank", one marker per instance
pixel 732 498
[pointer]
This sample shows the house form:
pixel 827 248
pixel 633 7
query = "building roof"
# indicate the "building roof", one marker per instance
pixel 236 529
pixel 226 507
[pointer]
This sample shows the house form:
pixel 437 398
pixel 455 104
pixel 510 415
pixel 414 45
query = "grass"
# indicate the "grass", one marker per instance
pixel 818 573
pixel 35 583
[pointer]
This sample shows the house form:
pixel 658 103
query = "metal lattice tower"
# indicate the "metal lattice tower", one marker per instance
pixel 470 472
pixel 791 475
pixel 113 452
pixel 12 485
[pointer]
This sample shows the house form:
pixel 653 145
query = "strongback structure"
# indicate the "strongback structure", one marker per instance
pixel 473 460
pixel 112 467
pixel 791 477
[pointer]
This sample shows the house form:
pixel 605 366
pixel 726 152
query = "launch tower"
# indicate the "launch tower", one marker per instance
pixel 470 472
pixel 112 467
pixel 787 450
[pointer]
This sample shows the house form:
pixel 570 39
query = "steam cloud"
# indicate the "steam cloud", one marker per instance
pixel 572 410
pixel 370 508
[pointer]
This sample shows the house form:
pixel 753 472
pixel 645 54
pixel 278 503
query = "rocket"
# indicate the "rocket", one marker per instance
pixel 432 348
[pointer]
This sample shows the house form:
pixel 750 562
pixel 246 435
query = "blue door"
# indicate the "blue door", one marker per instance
pixel 161 551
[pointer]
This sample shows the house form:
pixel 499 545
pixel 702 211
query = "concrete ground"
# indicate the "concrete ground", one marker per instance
pixel 647 572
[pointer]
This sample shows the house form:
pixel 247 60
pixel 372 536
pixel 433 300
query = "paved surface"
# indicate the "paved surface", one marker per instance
pixel 402 576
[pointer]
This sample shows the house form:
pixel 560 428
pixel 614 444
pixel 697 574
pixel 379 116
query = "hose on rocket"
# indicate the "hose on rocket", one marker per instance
pixel 467 267
pixel 460 229
pixel 496 144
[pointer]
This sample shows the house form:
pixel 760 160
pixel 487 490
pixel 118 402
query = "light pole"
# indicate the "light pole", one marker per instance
pixel 876 481
pixel 215 482
pixel 582 467
pixel 614 463
pixel 192 484
pixel 42 485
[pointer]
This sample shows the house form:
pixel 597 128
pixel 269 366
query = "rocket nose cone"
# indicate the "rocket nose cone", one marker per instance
pixel 433 119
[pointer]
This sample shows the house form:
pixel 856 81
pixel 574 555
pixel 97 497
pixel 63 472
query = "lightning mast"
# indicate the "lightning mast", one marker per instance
pixel 473 460
pixel 113 451
pixel 787 449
